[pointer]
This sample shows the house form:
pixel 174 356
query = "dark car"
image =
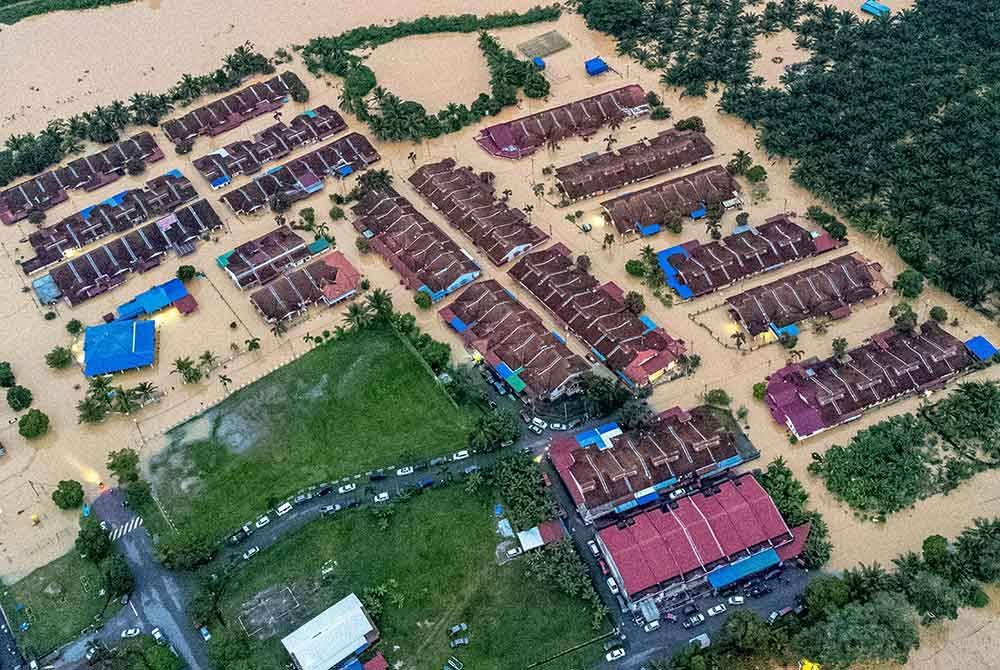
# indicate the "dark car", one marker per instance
pixel 324 491
pixel 352 502
pixel 772 574
pixel 690 608
pixel 236 537
pixel 377 475
pixel 426 482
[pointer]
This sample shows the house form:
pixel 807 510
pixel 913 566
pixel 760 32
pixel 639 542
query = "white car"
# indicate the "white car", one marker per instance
pixel 594 549
pixel 263 521
pixel 555 425
pixel 513 551
pixel 346 488
pixel 250 553
pixel 535 421
pixel 283 509
pixel 406 470
pixel 612 586
pixel 131 632
pixel 460 455
pixel 615 654
pixel 382 497
pixel 651 626
pixel 674 495
pixel 736 600
pixel 717 610
pixel 537 430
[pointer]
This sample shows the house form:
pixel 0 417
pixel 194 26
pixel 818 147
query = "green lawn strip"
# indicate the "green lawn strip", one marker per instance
pixel 362 402
pixel 13 11
pixel 440 550
pixel 60 600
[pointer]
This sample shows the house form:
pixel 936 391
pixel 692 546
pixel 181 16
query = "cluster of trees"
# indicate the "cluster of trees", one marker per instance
pixel 790 498
pixel 34 423
pixel 192 372
pixel 393 119
pixel 33 152
pixel 558 564
pixel 12 11
pixel 918 455
pixel 519 484
pixel 912 168
pixel 103 399
pixel 827 222
pixel 493 429
pixel 140 653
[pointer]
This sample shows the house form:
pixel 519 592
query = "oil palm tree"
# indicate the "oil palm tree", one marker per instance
pixel 91 410
pixel 278 329
pixel 208 360
pixel 379 302
pixel 187 370
pixel 358 316
pixel 253 344
pixel 100 387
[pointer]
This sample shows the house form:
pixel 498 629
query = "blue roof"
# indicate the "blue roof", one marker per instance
pixel 458 324
pixel 352 664
pixel 539 63
pixel 670 275
pixel 504 370
pixel 220 181
pixel 722 577
pixel 651 229
pixel 588 437
pixel 119 345
pixel 345 170
pixel 699 213
pixel 153 300
pixel 981 348
pixel 46 290
pixel 791 330
pixel 608 427
pixel 595 66
pixel 648 323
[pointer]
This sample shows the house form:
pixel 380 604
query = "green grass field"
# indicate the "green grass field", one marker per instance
pixel 440 551
pixel 60 600
pixel 362 402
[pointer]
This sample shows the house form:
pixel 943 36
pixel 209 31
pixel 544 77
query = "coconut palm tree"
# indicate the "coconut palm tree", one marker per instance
pixel 358 316
pixel 279 328
pixel 225 381
pixel 145 392
pixel 187 370
pixel 208 361
pixel 741 162
pixel 122 401
pixel 91 410
pixel 375 180
pixel 253 344
pixel 796 354
pixel 379 302
pixel 740 338
pixel 118 115
pixel 99 388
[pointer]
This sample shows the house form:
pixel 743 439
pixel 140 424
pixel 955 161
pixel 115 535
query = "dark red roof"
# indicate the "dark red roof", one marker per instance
pixel 378 662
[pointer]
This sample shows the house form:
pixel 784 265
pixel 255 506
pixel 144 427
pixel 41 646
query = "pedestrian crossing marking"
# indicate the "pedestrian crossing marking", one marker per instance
pixel 122 531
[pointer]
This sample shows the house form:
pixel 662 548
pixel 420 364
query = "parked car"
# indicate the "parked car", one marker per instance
pixel 537 430
pixel 458 628
pixel 324 491
pixel 651 626
pixel 131 632
pixel 92 650
pixel 346 488
pixel 301 498
pixel 535 421
pixel 525 416
pixel 263 521
pixel 382 497
pixel 500 388
pixel 736 600
pixel 612 586
pixel 594 549
pixel 513 551
pixel 283 509
pixel 250 553
pixel 237 537
pixel 459 642
pixel 377 475
pixel 774 616
pixel 351 502
pixel 425 483
pixel 690 608
pixel 717 610
pixel 439 460
pixel 248 529
pixel 670 616
pixel 330 509
pixel 158 636
pixel 771 574
pixel 703 641
pixel 692 621
pixel 404 471
pixel 455 663
pixel 615 654
pixel 612 643
pixel 573 424
pixel 677 493
pixel 760 591
pixel 472 468
pixel 555 425
pixel 205 635
pixel 460 455
pixel 603 566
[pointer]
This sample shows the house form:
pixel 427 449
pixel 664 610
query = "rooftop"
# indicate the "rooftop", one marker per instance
pixel 514 340
pixel 522 137
pixel 814 395
pixel 264 258
pixel 118 346
pixel 599 173
pixel 469 203
pixel 332 636
pixel 597 315
pixel 827 290
pixel 682 195
pixel 329 279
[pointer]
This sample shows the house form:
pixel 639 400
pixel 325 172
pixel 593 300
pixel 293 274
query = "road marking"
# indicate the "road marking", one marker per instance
pixel 122 531
pixel 132 605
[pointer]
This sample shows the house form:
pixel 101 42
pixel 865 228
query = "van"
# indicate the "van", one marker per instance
pixel 283 509
pixel 535 421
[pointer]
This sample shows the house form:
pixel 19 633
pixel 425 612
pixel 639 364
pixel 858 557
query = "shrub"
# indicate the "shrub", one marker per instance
pixel 33 424
pixel 660 113
pixel 74 327
pixel 939 313
pixel 635 268
pixel 717 397
pixel 691 123
pixel 422 299
pixel 362 244
pixel 186 273
pixel 756 175
pixel 68 495
pixel 6 375
pixel 50 316
pixel 909 283
pixel 36 217
pixel 759 390
pixel 59 358
pixel 18 398
pixel 336 213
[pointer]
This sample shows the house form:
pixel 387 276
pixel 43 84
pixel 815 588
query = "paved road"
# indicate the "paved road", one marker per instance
pixel 159 595
pixel 10 655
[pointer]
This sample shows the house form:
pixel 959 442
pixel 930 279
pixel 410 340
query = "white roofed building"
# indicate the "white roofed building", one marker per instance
pixel 333 638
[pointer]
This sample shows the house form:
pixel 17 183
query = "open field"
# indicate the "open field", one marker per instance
pixel 59 600
pixel 362 402
pixel 440 551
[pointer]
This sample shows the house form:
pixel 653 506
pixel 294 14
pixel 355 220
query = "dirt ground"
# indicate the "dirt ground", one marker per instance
pixel 52 77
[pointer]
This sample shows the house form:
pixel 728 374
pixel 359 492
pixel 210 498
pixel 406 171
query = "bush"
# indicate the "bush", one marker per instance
pixel 717 397
pixel 336 213
pixel 50 316
pixel 33 424
pixel 660 113
pixel 909 284
pixel 422 299
pixel 186 273
pixel 939 313
pixel 18 398
pixel 59 358
pixel 362 244
pixel 635 268
pixel 74 327
pixel 759 390
pixel 756 175
pixel 691 123
pixel 68 495
pixel 6 375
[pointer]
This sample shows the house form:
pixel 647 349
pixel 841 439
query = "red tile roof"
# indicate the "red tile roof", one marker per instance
pixel 378 662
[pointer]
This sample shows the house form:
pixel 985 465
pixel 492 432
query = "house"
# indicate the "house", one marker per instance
pixel 633 347
pixel 332 639
pixel 262 259
pixel 329 280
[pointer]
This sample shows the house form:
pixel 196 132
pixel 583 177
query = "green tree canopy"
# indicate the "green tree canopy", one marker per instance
pixel 68 494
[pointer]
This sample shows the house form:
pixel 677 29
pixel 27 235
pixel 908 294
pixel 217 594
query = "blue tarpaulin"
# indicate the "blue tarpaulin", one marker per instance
pixel 722 577
pixel 219 182
pixel 588 438
pixel 595 66
pixel 648 323
pixel 651 229
pixel 670 275
pixel 558 338
pixel 981 348
pixel 699 213
pixel 539 63
pixel 504 370
pixel 458 324
pixel 153 300
pixel 119 345
pixel 345 170
pixel 791 330
pixel 875 8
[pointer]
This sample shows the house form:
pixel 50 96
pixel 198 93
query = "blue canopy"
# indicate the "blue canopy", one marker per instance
pixel 651 229
pixel 595 66
pixel 722 577
pixel 981 348
pixel 119 345
pixel 153 300
pixel 670 275
pixel 539 63
pixel 458 324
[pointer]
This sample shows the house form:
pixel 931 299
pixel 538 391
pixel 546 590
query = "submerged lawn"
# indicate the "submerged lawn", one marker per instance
pixel 439 551
pixel 59 600
pixel 362 402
